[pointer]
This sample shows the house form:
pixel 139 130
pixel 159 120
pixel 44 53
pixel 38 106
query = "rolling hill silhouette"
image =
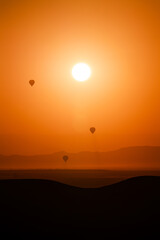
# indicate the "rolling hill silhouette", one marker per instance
pixel 126 158
pixel 51 209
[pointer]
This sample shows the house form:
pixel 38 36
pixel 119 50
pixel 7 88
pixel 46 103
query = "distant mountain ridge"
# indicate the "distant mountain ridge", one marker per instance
pixel 141 157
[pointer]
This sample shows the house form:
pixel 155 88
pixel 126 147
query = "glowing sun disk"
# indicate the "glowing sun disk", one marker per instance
pixel 81 72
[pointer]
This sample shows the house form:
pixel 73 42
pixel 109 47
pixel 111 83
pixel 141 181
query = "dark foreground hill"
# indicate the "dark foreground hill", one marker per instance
pixel 53 210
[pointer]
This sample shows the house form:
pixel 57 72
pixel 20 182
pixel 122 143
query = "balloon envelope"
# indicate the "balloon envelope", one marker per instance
pixel 65 158
pixel 31 82
pixel 92 130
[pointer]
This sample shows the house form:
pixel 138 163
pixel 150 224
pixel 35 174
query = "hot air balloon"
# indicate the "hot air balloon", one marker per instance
pixel 65 158
pixel 31 82
pixel 92 130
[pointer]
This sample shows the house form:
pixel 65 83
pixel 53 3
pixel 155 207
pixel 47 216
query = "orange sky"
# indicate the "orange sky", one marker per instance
pixel 43 39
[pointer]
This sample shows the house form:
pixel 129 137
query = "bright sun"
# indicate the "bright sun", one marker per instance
pixel 81 72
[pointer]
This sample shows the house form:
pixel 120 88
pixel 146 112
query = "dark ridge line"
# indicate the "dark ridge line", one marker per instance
pixel 52 182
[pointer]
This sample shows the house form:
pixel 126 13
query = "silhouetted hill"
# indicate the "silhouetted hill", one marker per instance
pixel 51 209
pixel 126 158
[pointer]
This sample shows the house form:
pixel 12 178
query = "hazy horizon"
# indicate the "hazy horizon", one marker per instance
pixel 142 158
pixel 42 144
pixel 81 151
